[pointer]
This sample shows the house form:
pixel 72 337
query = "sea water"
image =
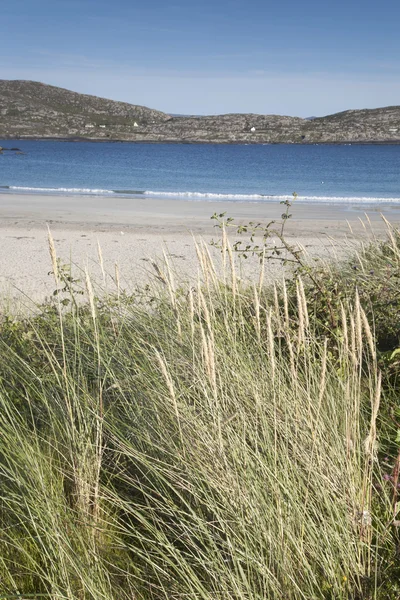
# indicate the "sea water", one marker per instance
pixel 352 174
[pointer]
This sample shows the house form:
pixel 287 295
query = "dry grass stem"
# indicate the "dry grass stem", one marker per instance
pixel 53 255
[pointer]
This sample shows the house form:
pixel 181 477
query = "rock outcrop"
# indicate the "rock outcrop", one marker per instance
pixel 29 109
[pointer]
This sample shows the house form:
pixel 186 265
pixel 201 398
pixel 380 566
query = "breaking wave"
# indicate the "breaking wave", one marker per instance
pixel 272 197
pixel 57 190
pixel 206 196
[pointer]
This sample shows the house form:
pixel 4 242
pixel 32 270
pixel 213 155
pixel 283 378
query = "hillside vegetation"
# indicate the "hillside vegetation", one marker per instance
pixel 35 110
pixel 218 441
pixel 32 109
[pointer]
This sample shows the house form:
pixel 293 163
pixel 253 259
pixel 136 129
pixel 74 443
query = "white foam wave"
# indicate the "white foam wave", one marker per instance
pixel 210 196
pixel 270 197
pixel 60 189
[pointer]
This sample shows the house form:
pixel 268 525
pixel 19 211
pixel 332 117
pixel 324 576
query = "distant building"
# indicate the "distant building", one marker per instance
pixel 253 129
pixel 89 125
pixel 135 124
pixel 102 126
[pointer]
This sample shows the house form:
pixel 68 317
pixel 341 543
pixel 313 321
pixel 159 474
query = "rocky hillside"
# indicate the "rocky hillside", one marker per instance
pixel 230 128
pixel 367 125
pixel 30 109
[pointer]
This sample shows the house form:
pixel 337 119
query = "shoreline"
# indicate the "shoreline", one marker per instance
pixel 181 213
pixel 202 142
pixel 348 203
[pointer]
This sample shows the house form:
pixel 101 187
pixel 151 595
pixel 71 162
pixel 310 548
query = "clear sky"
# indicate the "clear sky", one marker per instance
pixel 310 57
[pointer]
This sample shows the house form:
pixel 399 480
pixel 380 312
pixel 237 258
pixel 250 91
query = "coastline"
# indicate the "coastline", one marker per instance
pixel 133 231
pixel 200 142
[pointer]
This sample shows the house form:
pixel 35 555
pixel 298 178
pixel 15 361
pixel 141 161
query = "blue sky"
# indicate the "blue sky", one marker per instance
pixel 212 56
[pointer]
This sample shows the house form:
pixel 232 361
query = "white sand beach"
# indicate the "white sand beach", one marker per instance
pixel 132 231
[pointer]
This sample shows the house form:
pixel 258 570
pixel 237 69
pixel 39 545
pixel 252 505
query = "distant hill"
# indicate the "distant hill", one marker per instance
pixel 32 109
pixel 179 115
pixel 29 109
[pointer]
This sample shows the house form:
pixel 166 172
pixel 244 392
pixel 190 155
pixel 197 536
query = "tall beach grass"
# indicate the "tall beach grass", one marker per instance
pixel 213 441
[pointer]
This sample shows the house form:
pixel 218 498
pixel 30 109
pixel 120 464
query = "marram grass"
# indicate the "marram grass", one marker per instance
pixel 206 444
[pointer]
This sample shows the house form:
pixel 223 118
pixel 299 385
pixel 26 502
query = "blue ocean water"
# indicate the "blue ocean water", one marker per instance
pixel 367 174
